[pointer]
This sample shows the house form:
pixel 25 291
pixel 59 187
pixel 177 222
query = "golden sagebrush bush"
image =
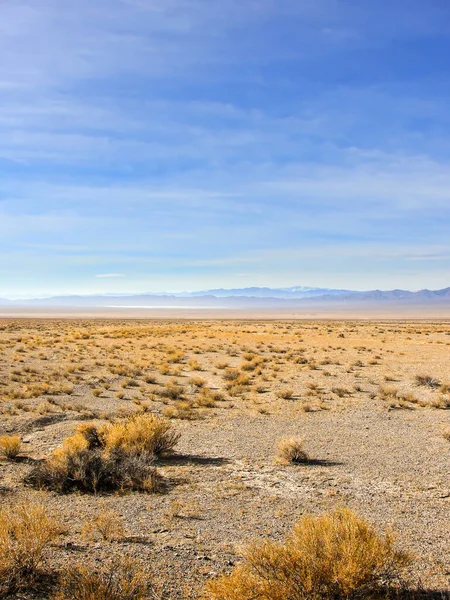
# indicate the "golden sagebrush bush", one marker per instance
pixel 10 446
pixel 142 433
pixel 336 556
pixel 291 451
pixel 26 532
pixel 121 580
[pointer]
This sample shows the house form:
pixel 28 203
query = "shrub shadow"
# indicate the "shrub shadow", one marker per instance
pixel 192 459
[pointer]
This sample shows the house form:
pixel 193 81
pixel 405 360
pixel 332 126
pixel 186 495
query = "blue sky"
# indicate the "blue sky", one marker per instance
pixel 185 144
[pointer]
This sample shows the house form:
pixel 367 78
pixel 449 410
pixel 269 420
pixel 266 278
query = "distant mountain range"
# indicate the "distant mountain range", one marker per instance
pixel 258 297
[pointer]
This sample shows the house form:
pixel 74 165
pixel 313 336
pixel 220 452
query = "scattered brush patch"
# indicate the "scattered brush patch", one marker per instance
pixel 181 409
pixel 443 402
pixel 121 580
pixel 336 556
pixel 26 532
pixel 427 381
pixel 291 451
pixel 117 456
pixel 446 434
pixel 10 446
pixel 396 399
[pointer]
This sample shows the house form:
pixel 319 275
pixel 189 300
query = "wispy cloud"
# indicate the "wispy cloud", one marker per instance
pixel 187 142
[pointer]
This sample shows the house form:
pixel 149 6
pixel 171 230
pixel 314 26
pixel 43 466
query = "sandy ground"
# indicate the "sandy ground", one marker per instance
pixel 372 450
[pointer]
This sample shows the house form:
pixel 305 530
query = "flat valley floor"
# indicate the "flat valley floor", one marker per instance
pixel 369 399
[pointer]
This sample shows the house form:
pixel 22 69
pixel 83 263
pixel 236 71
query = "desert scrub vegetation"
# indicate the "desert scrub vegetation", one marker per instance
pixel 335 556
pixel 285 394
pixel 26 532
pixel 291 451
pixel 107 525
pixel 141 434
pixel 120 580
pixel 181 409
pixel 116 456
pixel 10 446
pixel 427 381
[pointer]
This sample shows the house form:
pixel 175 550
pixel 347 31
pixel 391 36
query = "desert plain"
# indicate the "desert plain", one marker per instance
pixel 369 400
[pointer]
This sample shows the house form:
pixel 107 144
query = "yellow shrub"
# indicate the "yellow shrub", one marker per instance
pixel 25 534
pixel 122 580
pixel 336 556
pixel 141 434
pixel 10 446
pixel 291 451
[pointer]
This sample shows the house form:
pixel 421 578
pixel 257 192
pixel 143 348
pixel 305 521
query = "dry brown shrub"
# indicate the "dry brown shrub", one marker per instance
pixel 110 457
pixel 10 446
pixel 231 374
pixel 291 451
pixel 285 394
pixel 197 382
pixel 427 381
pixel 93 471
pixel 173 391
pixel 336 556
pixel 26 532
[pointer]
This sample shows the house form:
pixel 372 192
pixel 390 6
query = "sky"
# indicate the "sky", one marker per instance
pixel 168 145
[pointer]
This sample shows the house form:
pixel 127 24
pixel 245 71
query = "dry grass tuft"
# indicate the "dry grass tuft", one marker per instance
pixel 291 451
pixel 10 446
pixel 107 524
pixel 26 532
pixel 336 556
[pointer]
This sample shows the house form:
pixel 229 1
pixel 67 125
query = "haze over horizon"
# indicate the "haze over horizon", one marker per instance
pixel 150 145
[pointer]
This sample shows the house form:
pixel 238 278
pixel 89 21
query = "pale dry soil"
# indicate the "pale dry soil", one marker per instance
pixel 375 437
